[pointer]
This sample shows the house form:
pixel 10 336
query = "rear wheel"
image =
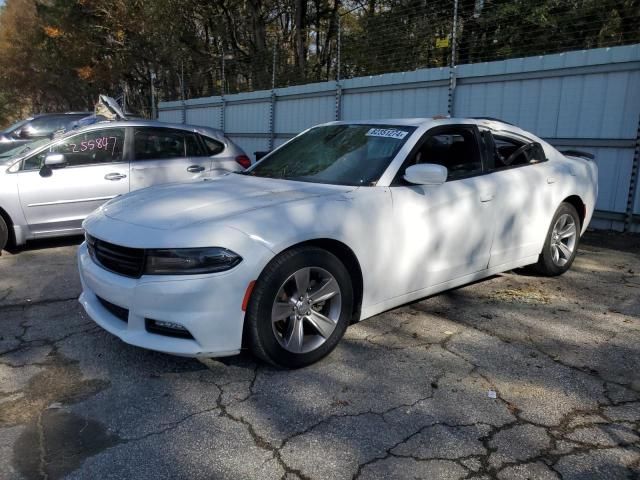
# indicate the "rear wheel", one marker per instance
pixel 300 307
pixel 4 234
pixel 561 244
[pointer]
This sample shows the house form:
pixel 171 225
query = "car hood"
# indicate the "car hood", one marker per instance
pixel 180 205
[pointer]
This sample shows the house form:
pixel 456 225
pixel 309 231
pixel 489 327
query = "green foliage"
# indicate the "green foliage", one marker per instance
pixel 60 54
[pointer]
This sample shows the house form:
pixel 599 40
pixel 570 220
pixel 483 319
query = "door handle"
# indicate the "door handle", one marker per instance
pixel 195 168
pixel 551 180
pixel 114 176
pixel 487 197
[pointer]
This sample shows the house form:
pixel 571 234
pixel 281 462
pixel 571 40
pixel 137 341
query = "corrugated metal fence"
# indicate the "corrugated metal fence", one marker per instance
pixel 586 99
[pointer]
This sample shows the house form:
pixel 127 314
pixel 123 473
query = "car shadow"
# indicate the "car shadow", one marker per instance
pixel 46 243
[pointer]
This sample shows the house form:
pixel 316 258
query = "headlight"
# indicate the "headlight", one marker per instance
pixel 185 261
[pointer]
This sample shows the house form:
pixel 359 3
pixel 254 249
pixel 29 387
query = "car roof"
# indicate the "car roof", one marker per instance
pixel 430 122
pixel 421 121
pixel 58 114
pixel 211 132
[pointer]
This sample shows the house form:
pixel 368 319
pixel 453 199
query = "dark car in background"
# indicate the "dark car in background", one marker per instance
pixel 38 126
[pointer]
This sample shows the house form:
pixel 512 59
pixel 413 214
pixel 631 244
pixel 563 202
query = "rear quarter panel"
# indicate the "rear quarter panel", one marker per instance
pixel 576 176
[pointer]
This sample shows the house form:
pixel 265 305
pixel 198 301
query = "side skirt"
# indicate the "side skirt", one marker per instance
pixel 21 234
pixel 372 310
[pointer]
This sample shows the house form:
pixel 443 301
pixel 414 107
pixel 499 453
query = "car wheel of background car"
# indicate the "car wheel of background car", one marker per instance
pixel 300 307
pixel 561 244
pixel 4 234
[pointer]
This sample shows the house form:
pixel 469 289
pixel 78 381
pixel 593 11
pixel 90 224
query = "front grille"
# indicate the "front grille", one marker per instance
pixel 123 260
pixel 119 312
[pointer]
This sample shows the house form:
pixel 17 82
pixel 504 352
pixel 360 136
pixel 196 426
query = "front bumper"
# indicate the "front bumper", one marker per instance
pixel 208 306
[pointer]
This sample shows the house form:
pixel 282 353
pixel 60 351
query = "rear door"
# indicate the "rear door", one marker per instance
pixel 166 155
pixel 522 175
pixel 57 200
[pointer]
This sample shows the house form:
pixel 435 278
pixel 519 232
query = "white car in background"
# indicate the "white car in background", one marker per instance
pixel 47 188
pixel 344 221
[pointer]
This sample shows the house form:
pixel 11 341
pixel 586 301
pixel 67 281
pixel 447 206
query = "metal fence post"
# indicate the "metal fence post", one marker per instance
pixel 124 99
pixel 272 122
pixel 222 113
pixel 339 47
pixel 152 77
pixel 272 103
pixel 184 104
pixel 222 79
pixel 338 111
pixel 633 182
pixel 452 62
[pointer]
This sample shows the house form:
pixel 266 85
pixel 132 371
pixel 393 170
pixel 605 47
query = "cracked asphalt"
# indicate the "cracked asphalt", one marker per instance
pixel 407 394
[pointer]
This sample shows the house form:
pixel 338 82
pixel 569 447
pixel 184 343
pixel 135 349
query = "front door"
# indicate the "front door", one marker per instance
pixel 55 201
pixel 443 232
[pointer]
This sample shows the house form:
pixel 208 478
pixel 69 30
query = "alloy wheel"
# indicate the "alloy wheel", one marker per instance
pixel 306 310
pixel 563 239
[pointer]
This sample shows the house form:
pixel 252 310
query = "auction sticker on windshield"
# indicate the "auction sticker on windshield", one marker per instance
pixel 387 133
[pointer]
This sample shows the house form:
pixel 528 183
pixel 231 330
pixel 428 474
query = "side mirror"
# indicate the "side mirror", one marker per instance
pixel 55 160
pixel 426 174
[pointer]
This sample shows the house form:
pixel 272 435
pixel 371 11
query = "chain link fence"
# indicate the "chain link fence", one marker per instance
pixel 368 38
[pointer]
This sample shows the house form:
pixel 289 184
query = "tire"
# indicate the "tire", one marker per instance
pixel 4 234
pixel 290 329
pixel 559 252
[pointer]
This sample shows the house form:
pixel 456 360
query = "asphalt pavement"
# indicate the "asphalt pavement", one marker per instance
pixel 515 377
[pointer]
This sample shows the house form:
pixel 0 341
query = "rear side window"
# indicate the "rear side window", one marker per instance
pixel 165 143
pixel 213 147
pixel 510 152
pixel 193 145
pixel 87 148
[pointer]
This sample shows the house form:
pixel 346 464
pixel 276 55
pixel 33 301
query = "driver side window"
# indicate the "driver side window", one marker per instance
pixel 87 148
pixel 453 147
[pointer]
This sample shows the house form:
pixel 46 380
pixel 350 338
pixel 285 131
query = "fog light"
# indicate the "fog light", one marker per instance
pixel 169 329
pixel 171 325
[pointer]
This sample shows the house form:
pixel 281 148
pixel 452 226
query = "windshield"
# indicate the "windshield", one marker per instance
pixel 16 125
pixel 338 154
pixel 24 148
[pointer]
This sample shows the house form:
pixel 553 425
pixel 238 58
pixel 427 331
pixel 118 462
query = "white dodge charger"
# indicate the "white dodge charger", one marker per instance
pixel 344 221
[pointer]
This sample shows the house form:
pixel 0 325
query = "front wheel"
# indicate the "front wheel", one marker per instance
pixel 561 244
pixel 300 307
pixel 4 234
